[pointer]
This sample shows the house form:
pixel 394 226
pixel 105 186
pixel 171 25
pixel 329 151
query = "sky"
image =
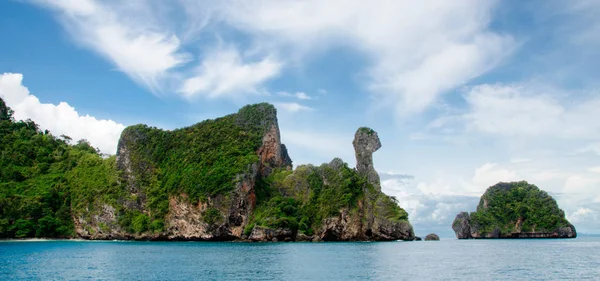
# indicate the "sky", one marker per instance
pixel 463 94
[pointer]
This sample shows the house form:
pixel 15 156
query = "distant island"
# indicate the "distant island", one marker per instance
pixel 514 210
pixel 218 180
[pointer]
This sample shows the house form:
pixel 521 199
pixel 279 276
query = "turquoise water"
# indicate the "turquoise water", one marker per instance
pixel 572 259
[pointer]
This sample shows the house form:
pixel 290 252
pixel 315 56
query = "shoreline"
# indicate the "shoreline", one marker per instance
pixel 176 241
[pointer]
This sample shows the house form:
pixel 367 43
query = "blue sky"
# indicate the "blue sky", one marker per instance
pixel 462 93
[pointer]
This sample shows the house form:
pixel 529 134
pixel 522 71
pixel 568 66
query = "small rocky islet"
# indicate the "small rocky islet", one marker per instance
pixel 514 210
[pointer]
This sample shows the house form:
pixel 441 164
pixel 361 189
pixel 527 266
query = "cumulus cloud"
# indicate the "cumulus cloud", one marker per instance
pixel 593 148
pixel 292 107
pixel 142 49
pixel 583 215
pixel 61 119
pixel 531 111
pixel 298 95
pixel 224 72
pixel 415 50
pixel 428 212
pixel 595 169
pixel 314 146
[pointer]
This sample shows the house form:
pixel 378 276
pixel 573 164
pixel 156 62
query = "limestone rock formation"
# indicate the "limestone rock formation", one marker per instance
pixel 342 203
pixel 462 225
pixel 186 220
pixel 432 237
pixel 261 234
pixel 231 179
pixel 514 210
pixel 366 141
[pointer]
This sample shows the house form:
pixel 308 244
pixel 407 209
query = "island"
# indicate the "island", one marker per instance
pixel 514 210
pixel 225 179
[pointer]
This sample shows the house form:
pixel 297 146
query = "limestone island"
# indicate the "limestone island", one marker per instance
pixel 514 210
pixel 225 179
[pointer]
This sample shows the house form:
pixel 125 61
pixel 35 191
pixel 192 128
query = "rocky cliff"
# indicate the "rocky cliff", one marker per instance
pixel 366 141
pixel 195 183
pixel 331 202
pixel 231 179
pixel 514 210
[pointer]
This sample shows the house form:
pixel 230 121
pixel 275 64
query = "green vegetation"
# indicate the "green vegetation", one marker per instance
pixel 301 199
pixel 366 130
pixel 212 215
pixel 503 205
pixel 47 184
pixel 201 161
pixel 44 180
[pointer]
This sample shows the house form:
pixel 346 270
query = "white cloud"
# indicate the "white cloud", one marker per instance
pixel 590 148
pixel 520 160
pixel 298 95
pixel 442 183
pixel 224 73
pixel 61 119
pixel 321 145
pixel 428 211
pixel 595 169
pixel 292 107
pixel 582 215
pixel 522 110
pixel 490 173
pixel 416 50
pixel 144 50
pixel 582 186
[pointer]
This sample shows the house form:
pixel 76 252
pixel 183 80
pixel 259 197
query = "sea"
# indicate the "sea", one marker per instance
pixel 447 259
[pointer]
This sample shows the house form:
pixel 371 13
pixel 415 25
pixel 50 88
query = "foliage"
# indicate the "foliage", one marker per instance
pixel 366 130
pixel 302 199
pixel 212 216
pixel 505 204
pixel 389 208
pixel 44 179
pixel 202 160
pixel 46 182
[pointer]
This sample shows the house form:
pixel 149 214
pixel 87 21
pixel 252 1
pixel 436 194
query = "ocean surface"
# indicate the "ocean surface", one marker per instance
pixel 545 259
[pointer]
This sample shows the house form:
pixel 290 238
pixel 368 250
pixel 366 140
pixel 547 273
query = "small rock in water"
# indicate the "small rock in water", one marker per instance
pixel 432 237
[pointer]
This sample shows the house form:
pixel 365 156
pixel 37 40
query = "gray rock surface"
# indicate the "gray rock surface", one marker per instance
pixel 432 237
pixel 462 226
pixel 260 234
pixel 365 143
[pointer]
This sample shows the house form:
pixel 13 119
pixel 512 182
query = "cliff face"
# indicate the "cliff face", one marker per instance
pixel 231 178
pixel 145 158
pixel 331 202
pixel 514 210
pixel 366 141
